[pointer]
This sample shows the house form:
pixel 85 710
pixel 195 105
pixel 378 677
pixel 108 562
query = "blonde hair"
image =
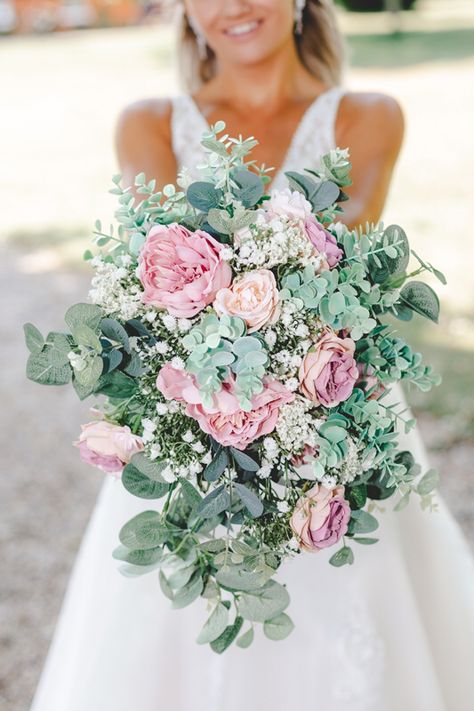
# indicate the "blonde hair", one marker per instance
pixel 320 47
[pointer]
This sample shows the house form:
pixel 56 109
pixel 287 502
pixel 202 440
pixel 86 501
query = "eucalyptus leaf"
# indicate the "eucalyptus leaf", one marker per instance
pixel 84 314
pixel 114 331
pixel 90 375
pixel 85 336
pixel 365 541
pixel 214 503
pixel 220 644
pixel 203 195
pixel 33 338
pixel 236 577
pixel 144 557
pixel 250 500
pixel 144 531
pixel 278 627
pixel 41 369
pixel 344 556
pixel 264 603
pixel 244 461
pixel 362 522
pixel 217 466
pixel 141 485
pixel 166 588
pixel 246 639
pixel 190 592
pixel 428 483
pixel 215 624
pixel 419 297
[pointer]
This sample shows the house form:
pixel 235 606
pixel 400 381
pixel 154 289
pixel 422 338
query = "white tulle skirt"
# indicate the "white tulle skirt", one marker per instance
pixel 393 632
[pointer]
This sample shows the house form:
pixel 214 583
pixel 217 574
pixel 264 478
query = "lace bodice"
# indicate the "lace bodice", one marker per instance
pixel 313 137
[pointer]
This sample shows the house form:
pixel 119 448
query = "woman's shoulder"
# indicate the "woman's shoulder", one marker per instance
pixel 145 117
pixel 143 139
pixel 372 114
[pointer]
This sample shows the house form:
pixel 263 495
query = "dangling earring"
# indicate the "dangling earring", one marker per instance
pixel 298 16
pixel 200 39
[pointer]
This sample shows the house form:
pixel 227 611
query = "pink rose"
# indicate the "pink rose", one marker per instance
pixel 235 427
pixel 320 518
pixel 253 297
pixel 329 372
pixel 324 243
pixel 288 202
pixel 106 446
pixel 180 270
pixel 305 457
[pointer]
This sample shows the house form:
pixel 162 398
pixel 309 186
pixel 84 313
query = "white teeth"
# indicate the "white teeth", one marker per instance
pixel 242 29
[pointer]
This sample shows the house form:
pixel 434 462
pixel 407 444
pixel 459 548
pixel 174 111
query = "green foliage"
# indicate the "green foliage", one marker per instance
pixel 146 530
pixel 88 315
pixel 362 522
pixel 215 624
pixel 320 193
pixel 204 196
pixel 419 297
pixel 335 296
pixel 344 556
pixel 278 627
pixel 265 603
pixel 251 502
pixel 218 347
pixel 392 359
pixel 142 478
pixel 217 501
pixel 33 338
pixel 389 254
pixel 220 644
pixel 248 187
pixel 48 365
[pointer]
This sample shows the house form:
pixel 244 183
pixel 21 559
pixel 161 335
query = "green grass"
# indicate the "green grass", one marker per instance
pixel 403 49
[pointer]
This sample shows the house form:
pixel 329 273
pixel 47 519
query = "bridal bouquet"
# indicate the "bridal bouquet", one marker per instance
pixel 243 346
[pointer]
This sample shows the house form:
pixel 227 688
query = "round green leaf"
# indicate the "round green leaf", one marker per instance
pixel 278 627
pixel 141 485
pixel 144 531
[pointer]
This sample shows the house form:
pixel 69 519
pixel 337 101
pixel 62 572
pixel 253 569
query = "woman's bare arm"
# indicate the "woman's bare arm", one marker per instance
pixel 372 127
pixel 143 142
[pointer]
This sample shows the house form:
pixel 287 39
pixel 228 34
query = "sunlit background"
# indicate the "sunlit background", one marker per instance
pixel 66 70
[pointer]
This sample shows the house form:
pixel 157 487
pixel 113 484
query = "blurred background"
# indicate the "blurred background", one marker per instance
pixel 67 68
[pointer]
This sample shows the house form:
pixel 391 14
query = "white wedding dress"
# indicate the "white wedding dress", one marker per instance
pixel 393 632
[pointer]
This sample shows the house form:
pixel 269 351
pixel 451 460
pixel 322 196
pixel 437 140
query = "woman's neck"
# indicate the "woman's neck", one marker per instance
pixel 269 83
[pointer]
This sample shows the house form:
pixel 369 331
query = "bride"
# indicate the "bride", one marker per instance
pixel 393 632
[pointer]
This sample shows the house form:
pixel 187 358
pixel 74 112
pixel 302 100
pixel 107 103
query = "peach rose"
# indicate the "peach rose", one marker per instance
pixel 253 297
pixel 320 518
pixel 329 372
pixel 107 446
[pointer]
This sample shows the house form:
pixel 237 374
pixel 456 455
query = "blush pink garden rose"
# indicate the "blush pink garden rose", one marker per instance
pixel 181 271
pixel 324 243
pixel 252 297
pixel 290 203
pixel 225 421
pixel 321 517
pixel 107 446
pixel 329 372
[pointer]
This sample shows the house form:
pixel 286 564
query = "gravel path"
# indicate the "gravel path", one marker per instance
pixel 48 494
